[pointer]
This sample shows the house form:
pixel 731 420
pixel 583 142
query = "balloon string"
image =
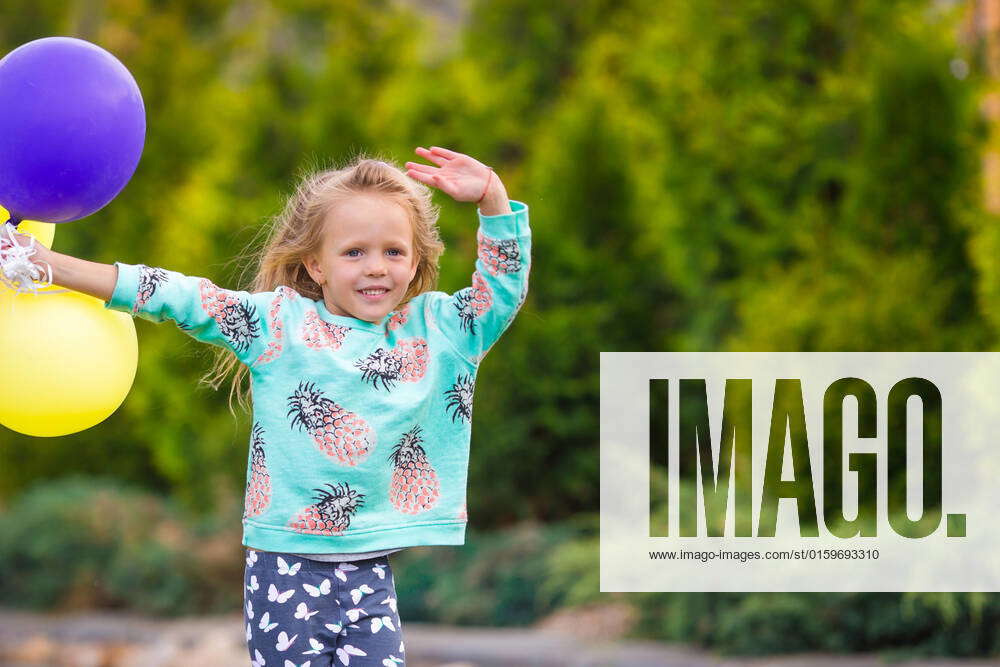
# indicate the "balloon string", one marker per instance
pixel 17 271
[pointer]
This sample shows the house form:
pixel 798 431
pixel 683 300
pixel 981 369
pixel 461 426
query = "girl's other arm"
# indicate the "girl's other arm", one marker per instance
pixel 475 317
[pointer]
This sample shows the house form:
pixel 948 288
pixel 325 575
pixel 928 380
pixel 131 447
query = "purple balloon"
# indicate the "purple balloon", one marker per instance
pixel 72 127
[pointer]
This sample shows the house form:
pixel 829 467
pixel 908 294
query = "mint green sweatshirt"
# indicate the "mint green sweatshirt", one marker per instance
pixel 360 438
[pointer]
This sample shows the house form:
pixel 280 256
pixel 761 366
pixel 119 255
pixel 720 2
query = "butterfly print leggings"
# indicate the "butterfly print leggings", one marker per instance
pixel 307 613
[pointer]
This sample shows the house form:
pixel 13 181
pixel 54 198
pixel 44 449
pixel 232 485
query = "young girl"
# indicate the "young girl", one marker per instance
pixel 362 382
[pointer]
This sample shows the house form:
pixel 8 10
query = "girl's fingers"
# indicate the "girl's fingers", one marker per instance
pixel 420 150
pixel 428 179
pixel 451 155
pixel 439 160
pixel 416 166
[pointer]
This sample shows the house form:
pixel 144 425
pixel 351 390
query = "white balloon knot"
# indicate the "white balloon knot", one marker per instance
pixel 17 271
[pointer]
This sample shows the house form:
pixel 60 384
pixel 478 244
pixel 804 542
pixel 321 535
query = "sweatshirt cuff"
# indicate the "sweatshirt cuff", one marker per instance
pixel 126 288
pixel 506 225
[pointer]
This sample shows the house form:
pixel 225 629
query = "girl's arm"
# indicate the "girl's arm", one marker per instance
pixel 474 318
pixel 97 280
pixel 93 278
pixel 245 323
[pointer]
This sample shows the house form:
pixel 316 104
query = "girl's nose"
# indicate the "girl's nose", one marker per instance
pixel 375 267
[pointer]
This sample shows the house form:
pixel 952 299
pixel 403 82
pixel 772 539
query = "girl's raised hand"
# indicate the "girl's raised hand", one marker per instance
pixel 459 176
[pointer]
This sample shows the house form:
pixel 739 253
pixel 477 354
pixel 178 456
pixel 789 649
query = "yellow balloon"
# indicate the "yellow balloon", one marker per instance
pixel 42 231
pixel 66 362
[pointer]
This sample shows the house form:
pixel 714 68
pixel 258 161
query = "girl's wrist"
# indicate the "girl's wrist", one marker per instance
pixel 495 201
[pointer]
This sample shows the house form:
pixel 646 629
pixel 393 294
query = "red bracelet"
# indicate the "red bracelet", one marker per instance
pixel 488 180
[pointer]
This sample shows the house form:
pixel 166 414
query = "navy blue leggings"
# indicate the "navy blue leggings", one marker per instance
pixel 302 612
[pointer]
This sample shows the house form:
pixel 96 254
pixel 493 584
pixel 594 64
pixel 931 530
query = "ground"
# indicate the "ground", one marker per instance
pixel 579 638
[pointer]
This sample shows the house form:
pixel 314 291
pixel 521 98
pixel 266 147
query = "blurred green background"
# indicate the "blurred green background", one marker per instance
pixel 800 175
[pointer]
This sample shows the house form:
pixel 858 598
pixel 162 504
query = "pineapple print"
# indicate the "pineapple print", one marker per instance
pixel 149 280
pixel 343 436
pixel 462 514
pixel 414 487
pixel 237 321
pixel 318 334
pixel 332 513
pixel 382 365
pixel 277 330
pixel 407 361
pixel 460 398
pixel 258 494
pixel 398 319
pixel 499 256
pixel 413 354
pixel 472 302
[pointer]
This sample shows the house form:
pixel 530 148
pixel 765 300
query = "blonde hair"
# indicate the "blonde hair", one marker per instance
pixel 297 232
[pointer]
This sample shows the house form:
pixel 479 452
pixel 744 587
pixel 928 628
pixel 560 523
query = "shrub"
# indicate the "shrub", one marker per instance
pixel 96 543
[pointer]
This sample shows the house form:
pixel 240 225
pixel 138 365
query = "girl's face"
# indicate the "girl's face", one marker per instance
pixel 366 260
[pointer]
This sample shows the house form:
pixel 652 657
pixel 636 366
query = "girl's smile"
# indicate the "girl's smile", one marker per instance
pixel 374 294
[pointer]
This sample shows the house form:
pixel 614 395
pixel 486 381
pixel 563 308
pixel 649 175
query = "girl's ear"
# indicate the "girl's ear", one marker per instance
pixel 314 269
pixel 413 269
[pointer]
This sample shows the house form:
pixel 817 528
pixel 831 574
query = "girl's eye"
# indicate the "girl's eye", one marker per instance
pixel 353 253
pixel 394 251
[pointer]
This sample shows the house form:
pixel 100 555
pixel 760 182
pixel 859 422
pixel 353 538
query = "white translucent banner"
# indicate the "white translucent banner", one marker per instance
pixel 911 425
